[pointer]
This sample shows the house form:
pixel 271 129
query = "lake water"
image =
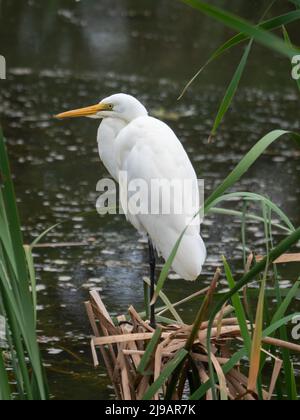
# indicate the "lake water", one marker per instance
pixel 66 54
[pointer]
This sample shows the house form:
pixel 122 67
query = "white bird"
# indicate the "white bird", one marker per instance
pixel 146 148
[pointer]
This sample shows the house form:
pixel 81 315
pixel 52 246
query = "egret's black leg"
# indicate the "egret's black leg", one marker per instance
pixel 152 262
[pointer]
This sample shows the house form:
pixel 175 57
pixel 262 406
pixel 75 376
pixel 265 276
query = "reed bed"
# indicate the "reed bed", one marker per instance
pixel 142 362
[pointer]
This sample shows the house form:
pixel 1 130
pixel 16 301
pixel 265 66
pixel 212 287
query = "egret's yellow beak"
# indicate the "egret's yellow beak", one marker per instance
pixel 84 112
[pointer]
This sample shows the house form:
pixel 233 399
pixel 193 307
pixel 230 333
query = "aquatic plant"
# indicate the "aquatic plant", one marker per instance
pixel 20 352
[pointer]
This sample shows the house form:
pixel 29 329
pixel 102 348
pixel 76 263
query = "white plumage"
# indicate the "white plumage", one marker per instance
pixel 146 148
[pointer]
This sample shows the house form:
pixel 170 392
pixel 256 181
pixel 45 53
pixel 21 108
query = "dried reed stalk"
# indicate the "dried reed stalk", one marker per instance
pixel 123 346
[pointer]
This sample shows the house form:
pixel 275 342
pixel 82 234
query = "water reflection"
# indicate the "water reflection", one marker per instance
pixel 66 54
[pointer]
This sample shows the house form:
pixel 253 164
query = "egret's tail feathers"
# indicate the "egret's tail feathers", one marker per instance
pixel 190 257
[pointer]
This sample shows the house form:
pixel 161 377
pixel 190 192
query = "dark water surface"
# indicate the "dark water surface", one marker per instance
pixel 66 54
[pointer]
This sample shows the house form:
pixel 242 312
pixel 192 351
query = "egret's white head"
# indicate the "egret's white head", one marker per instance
pixel 121 106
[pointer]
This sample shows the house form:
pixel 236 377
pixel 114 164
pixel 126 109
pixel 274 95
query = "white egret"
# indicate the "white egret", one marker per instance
pixel 146 148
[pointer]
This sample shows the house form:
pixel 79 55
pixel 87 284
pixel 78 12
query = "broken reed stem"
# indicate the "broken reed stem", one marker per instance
pixel 203 311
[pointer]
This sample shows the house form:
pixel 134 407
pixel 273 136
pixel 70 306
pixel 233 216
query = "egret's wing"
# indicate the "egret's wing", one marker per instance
pixel 148 151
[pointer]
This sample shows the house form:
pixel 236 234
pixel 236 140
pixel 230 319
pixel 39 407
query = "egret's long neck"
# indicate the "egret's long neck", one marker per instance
pixel 107 133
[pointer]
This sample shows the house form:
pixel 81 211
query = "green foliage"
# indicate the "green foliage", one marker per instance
pixel 17 298
pixel 240 25
pixel 268 25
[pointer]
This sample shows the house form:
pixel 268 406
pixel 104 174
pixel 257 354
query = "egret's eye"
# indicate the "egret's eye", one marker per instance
pixel 110 106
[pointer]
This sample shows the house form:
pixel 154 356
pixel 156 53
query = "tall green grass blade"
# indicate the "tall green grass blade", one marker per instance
pixel 5 393
pixel 150 350
pixel 276 325
pixel 240 25
pixel 243 232
pixel 239 309
pixel 268 25
pixel 15 289
pixel 254 197
pixel 16 346
pixel 231 91
pixel 294 393
pixel 282 306
pixel 248 216
pixel 247 162
pixel 5 235
pixel 15 364
pixel 296 3
pixel 166 373
pixel 281 311
pixel 31 270
pixel 164 320
pixel 43 234
pixel 11 211
pixel 279 297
